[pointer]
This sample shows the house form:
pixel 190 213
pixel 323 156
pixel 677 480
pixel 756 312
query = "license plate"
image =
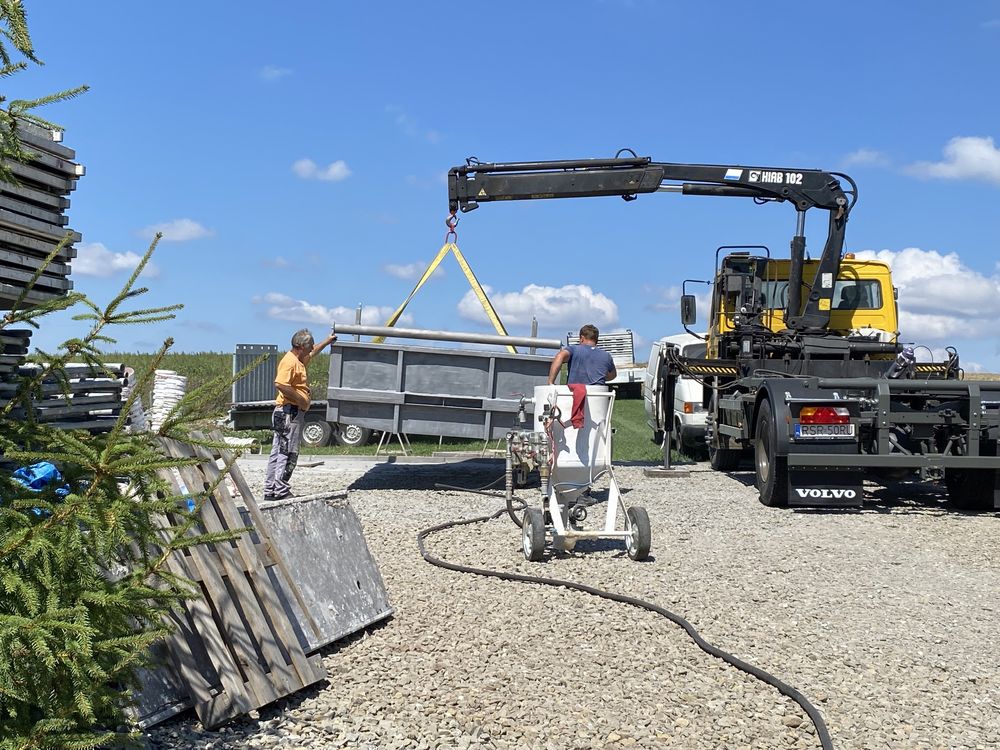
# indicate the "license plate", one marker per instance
pixel 824 430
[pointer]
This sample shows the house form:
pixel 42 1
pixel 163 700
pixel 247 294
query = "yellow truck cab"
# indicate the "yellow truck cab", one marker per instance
pixel 863 302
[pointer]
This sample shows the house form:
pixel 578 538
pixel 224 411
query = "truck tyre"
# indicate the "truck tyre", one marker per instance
pixel 351 435
pixel 721 459
pixel 316 432
pixel 772 469
pixel 972 489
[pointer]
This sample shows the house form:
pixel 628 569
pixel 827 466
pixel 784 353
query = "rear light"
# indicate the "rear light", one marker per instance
pixel 824 415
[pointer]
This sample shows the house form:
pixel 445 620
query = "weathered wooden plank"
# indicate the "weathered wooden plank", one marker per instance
pixel 307 672
pixel 236 634
pixel 205 627
pixel 260 524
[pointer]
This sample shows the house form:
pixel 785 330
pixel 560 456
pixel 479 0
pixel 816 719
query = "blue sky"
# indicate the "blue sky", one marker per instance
pixel 295 154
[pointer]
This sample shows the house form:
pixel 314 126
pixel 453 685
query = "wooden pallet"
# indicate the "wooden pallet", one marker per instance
pixel 239 624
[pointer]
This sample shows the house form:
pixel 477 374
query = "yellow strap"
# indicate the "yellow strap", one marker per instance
pixel 480 293
pixel 427 274
pixel 477 289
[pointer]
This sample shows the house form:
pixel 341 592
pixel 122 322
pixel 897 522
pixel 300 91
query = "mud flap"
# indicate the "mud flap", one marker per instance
pixel 843 488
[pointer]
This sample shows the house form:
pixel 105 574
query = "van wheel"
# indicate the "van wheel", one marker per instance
pixel 772 470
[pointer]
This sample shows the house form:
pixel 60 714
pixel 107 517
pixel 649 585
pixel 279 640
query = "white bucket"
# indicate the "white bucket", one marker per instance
pixel 580 453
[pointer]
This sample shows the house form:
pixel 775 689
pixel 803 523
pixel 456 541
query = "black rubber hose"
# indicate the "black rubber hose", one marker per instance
pixel 785 689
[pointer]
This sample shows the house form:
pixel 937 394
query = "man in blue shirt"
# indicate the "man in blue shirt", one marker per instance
pixel 588 365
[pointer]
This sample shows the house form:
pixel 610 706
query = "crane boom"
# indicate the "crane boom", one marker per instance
pixel 476 183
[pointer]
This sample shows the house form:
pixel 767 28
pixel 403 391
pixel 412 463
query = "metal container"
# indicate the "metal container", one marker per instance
pixel 431 391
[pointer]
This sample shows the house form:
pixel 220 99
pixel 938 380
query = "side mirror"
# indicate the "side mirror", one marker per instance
pixel 689 310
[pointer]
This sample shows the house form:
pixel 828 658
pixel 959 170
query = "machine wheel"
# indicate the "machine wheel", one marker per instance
pixel 533 535
pixel 351 435
pixel 772 469
pixel 637 521
pixel 721 459
pixel 316 433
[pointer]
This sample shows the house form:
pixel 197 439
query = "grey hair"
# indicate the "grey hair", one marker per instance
pixel 303 339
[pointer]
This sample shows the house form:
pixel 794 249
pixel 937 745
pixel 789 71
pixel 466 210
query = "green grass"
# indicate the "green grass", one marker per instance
pixel 632 440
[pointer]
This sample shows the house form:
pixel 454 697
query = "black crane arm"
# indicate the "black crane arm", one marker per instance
pixel 476 183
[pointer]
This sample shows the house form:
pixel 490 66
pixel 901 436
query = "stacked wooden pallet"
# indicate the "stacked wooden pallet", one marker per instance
pixel 33 219
pixel 236 648
pixel 88 398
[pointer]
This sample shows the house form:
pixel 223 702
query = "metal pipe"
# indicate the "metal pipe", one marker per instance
pixel 941 386
pixel 468 338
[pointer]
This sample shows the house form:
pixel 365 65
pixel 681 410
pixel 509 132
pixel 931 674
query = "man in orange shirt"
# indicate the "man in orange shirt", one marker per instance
pixel 289 414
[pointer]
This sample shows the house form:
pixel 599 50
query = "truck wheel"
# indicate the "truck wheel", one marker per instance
pixel 637 521
pixel 721 459
pixel 316 433
pixel 972 489
pixel 772 469
pixel 533 535
pixel 351 435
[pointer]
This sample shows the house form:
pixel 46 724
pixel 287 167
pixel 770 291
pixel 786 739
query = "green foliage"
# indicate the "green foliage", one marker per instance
pixel 83 588
pixel 16 41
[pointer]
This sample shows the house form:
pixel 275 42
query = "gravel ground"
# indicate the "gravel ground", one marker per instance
pixel 884 618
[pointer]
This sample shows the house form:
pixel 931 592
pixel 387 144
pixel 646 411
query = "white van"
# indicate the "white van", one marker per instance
pixel 689 410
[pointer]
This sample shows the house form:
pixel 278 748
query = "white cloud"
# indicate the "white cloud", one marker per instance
pixel 940 298
pixel 965 158
pixel 178 230
pixel 410 127
pixel 570 305
pixel 282 307
pixel 277 262
pixel 866 157
pixel 335 171
pixel 94 259
pixel 271 73
pixel 411 271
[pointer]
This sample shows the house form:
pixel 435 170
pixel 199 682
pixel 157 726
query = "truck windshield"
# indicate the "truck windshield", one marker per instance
pixel 848 294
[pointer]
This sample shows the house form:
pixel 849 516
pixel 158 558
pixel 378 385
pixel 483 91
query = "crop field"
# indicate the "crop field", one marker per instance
pixel 631 442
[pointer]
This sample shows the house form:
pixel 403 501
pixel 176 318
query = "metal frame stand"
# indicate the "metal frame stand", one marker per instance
pixel 669 378
pixel 386 440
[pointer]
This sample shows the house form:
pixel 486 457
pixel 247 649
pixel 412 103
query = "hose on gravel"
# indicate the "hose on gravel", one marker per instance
pixel 785 689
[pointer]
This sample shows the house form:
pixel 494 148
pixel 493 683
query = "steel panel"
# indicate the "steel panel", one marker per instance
pixel 258 384
pixel 443 392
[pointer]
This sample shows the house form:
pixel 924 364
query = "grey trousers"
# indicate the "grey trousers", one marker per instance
pixel 286 422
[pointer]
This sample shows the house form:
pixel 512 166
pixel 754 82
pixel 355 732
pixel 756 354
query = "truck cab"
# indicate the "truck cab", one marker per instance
pixel 753 291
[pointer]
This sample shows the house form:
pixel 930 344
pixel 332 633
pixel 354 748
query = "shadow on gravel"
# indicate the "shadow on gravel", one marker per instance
pixel 474 474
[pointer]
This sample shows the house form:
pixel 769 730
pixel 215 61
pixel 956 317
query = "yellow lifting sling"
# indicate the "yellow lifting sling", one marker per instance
pixel 450 246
